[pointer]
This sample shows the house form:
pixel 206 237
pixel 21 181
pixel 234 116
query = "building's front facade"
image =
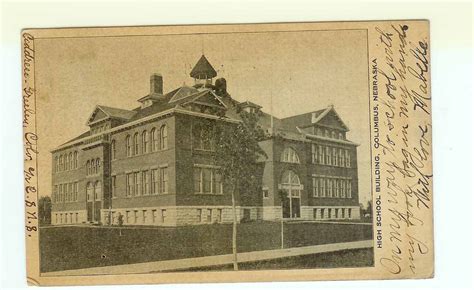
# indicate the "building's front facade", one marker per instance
pixel 153 165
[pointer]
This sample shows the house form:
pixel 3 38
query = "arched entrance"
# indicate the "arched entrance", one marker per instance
pixel 290 183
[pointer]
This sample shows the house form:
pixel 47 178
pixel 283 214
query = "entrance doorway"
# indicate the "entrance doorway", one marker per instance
pixel 290 183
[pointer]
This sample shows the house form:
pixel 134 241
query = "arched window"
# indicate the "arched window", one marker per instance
pixel 289 155
pixel 75 160
pixel 128 146
pixel 98 191
pixel 89 191
pixel 135 144
pixel 66 162
pixel 164 137
pixel 71 161
pixel 145 142
pixel 290 182
pixel 289 177
pixel 97 165
pixel 154 140
pixel 113 150
pixel 88 167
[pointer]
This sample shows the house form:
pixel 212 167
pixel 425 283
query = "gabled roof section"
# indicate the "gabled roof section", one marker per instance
pixel 183 92
pixel 330 111
pixel 249 104
pixel 310 119
pixel 203 69
pixel 207 97
pixel 103 112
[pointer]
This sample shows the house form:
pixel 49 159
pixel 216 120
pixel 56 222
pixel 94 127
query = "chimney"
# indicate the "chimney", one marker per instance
pixel 156 84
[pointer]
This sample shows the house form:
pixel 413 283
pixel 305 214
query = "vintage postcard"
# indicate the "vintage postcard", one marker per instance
pixel 228 153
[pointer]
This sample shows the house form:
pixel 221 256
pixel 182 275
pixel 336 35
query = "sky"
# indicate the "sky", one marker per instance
pixel 300 71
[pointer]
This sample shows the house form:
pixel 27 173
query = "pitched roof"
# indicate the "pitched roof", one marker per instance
pixel 116 112
pixel 203 69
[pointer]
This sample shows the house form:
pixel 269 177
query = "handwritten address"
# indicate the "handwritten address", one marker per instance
pixel 29 137
pixel 401 108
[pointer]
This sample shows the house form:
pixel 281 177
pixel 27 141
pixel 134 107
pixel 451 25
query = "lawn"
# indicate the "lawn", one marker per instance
pixel 64 248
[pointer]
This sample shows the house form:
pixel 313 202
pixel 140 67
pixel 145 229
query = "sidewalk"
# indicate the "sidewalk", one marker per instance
pixel 170 265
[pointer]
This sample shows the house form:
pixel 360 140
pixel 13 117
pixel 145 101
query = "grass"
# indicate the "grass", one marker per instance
pixel 63 248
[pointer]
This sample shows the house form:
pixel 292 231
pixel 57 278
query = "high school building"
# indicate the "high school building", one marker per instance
pixel 153 166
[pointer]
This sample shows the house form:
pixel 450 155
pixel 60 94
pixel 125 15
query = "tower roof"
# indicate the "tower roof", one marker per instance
pixel 203 69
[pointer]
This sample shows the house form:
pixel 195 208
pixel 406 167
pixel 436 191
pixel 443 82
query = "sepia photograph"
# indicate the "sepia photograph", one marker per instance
pixel 204 152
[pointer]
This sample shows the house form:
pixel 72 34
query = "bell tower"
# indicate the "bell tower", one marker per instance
pixel 203 72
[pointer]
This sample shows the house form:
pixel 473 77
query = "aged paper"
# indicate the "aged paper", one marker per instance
pixel 228 153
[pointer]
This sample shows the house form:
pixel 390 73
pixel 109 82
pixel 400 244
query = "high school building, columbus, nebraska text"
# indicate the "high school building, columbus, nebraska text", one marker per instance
pixel 153 164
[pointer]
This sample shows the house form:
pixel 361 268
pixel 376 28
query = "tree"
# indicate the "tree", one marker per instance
pixel 237 152
pixel 282 195
pixel 44 210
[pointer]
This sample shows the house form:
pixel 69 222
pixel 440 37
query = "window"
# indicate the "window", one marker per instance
pixel 343 188
pixel 349 213
pixel 71 192
pixel 266 193
pixel 144 216
pixel 207 180
pixel 163 215
pixel 322 187
pixel 337 212
pixel 164 137
pixel 337 191
pixel 328 156
pixel 113 186
pixel 113 150
pixel 60 163
pixel 341 136
pixel 329 213
pixel 219 215
pixel 145 142
pixel 136 150
pixel 129 187
pixel 55 166
pixel 154 140
pixel 333 134
pixel 199 215
pixel 329 187
pixel 341 158
pixel 97 165
pixel 71 161
pixel 153 215
pixel 77 217
pixel 209 215
pixel 135 216
pixel 326 133
pixel 98 190
pixel 343 213
pixel 76 160
pixel 66 162
pixel 55 194
pixel 321 154
pixel 128 146
pixel 315 213
pixel 127 217
pixel 314 153
pixel 315 187
pixel 164 180
pixel 348 159
pixel 154 181
pixel 349 189
pixel 136 183
pixel 334 156
pixel 88 166
pixel 322 213
pixel 145 183
pixel 89 191
pixel 289 155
